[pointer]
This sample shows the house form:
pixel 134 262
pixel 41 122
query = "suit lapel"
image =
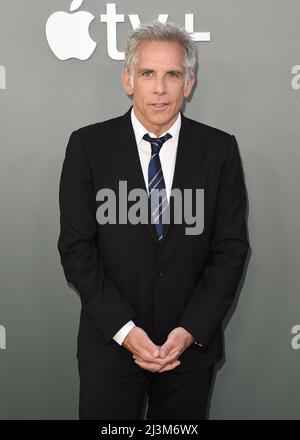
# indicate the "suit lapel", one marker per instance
pixel 130 161
pixel 184 168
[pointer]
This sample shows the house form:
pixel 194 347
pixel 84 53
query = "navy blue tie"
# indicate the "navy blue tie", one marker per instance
pixel 158 199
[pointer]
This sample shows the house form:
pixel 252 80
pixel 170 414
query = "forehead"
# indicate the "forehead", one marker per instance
pixel 160 54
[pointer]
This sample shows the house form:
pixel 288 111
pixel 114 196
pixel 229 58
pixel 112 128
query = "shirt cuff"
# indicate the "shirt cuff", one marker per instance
pixel 123 332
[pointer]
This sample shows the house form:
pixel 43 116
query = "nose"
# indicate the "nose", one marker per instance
pixel 160 86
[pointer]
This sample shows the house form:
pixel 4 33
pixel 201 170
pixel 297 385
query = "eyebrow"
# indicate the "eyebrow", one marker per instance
pixel 144 69
pixel 179 72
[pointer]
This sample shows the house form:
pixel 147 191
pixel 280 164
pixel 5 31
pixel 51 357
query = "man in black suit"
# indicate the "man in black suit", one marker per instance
pixel 153 296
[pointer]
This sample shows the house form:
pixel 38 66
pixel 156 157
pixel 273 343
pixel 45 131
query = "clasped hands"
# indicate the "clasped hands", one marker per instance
pixel 157 358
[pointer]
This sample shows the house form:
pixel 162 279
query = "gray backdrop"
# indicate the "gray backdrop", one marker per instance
pixel 248 85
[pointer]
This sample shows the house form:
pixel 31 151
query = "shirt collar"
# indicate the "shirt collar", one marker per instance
pixel 140 130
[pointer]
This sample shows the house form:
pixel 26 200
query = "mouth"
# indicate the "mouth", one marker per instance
pixel 159 104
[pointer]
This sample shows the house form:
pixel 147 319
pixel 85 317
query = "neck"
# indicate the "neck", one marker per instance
pixel 158 130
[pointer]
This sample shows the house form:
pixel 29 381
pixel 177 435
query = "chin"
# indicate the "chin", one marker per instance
pixel 163 117
pixel 163 121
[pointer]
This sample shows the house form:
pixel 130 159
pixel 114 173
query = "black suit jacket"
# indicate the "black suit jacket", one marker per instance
pixel 123 272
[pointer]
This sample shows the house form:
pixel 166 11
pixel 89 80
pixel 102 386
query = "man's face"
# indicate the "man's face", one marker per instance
pixel 158 87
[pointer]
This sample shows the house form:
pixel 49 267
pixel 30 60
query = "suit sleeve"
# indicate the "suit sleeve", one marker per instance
pixel 214 293
pixel 77 246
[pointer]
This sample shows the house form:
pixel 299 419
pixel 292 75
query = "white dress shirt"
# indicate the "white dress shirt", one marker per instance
pixel 167 153
pixel 167 157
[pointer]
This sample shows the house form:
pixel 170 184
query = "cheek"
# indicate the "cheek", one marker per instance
pixel 177 92
pixel 178 100
pixel 141 93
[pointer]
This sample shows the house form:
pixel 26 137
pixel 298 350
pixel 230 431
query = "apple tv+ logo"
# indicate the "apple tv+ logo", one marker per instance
pixel 2 78
pixel 68 33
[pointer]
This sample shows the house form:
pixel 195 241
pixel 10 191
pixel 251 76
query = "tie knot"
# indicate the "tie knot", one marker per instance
pixel 156 143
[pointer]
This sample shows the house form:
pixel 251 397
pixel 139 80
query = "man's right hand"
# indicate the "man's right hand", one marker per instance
pixel 146 353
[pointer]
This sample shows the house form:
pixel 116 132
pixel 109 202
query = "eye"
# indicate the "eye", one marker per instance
pixel 148 74
pixel 173 74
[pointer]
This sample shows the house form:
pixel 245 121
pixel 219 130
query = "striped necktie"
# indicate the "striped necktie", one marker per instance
pixel 156 182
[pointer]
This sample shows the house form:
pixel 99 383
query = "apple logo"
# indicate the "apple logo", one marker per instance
pixel 68 34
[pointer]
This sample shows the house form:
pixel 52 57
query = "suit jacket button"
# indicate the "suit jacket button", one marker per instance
pixel 160 273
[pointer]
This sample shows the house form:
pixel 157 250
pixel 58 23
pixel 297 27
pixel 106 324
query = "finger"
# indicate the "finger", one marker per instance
pixel 158 361
pixel 146 354
pixel 151 348
pixel 167 349
pixel 157 368
pixel 170 353
pixel 147 366
pixel 161 362
pixel 170 366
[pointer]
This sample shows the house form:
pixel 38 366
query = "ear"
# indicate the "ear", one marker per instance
pixel 189 86
pixel 126 82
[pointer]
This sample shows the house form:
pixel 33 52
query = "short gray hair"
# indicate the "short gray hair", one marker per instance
pixel 157 31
